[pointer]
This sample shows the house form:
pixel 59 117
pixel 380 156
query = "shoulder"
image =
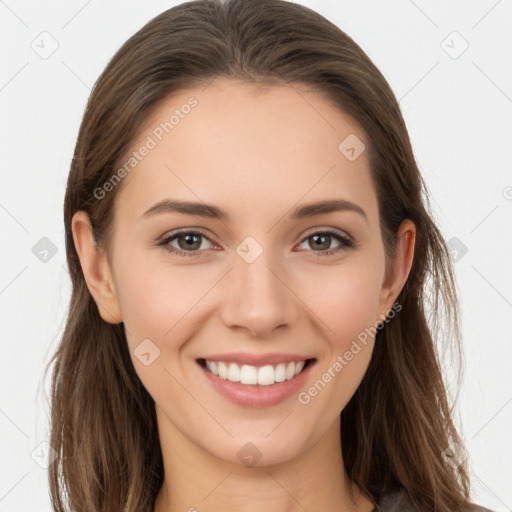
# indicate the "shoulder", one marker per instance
pixel 396 500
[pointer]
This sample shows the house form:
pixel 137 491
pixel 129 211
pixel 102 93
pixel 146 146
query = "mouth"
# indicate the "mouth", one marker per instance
pixel 256 386
pixel 249 375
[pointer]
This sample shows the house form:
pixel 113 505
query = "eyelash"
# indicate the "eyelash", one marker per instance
pixel 346 243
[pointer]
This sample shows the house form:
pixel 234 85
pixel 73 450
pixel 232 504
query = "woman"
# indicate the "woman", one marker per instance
pixel 250 254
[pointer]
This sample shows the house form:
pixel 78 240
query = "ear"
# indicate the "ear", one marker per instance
pixel 95 268
pixel 401 267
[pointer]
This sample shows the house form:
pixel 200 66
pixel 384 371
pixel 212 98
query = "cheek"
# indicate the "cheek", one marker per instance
pixel 345 300
pixel 155 297
pixel 157 303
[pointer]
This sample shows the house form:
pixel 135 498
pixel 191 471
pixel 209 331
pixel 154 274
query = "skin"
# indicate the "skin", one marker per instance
pixel 256 152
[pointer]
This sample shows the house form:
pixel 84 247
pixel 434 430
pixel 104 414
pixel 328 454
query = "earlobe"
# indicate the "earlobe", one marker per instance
pixel 95 268
pixel 402 264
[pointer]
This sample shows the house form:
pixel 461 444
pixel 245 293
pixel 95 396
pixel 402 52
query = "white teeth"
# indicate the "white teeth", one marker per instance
pixel 290 371
pixel 249 374
pixel 299 366
pixel 263 375
pixel 212 366
pixel 223 370
pixel 233 373
pixel 280 373
pixel 266 375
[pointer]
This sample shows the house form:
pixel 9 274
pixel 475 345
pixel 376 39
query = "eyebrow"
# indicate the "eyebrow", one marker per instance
pixel 211 211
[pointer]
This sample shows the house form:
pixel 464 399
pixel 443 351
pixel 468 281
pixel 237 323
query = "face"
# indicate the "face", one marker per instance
pixel 255 277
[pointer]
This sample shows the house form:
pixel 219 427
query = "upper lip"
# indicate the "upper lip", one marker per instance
pixel 256 359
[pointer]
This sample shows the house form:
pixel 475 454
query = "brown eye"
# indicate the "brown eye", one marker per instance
pixel 321 241
pixel 189 243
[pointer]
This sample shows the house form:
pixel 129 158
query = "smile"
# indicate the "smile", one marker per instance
pixel 253 375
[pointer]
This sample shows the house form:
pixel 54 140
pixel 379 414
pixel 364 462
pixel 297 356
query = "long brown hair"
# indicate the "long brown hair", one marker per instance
pixel 398 423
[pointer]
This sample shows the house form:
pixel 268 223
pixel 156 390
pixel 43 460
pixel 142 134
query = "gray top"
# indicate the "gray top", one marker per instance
pixel 397 501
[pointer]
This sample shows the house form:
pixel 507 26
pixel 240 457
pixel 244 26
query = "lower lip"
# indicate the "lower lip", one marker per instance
pixel 251 395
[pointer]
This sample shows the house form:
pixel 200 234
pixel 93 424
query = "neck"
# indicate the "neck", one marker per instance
pixel 196 481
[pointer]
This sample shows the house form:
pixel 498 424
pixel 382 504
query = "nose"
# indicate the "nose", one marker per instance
pixel 258 297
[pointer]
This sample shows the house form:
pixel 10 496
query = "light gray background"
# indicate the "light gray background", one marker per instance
pixel 457 106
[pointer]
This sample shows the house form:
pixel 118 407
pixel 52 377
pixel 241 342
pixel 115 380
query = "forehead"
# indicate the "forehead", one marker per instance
pixel 247 144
